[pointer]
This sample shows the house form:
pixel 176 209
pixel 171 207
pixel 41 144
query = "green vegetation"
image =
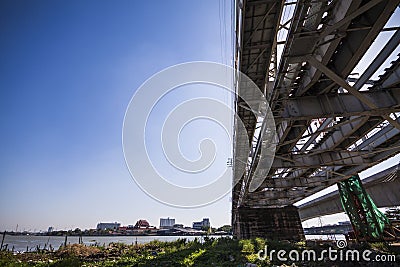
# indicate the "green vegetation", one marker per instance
pixel 226 228
pixel 210 252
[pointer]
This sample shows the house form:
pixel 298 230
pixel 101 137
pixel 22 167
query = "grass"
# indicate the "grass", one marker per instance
pixel 211 252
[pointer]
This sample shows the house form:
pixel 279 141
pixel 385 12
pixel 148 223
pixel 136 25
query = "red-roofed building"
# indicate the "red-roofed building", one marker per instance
pixel 142 224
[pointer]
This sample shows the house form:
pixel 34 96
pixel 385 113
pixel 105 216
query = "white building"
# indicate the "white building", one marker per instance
pixel 204 223
pixel 109 226
pixel 166 223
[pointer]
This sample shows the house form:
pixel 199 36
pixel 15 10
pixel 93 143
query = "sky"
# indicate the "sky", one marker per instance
pixel 68 71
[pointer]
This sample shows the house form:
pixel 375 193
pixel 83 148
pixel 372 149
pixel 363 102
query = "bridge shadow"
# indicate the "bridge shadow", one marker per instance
pixel 212 252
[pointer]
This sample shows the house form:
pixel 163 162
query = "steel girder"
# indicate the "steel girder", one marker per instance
pixel 335 140
pixel 256 25
pixel 346 105
pixel 358 127
pixel 383 187
pixel 373 153
pixel 302 92
pixel 321 159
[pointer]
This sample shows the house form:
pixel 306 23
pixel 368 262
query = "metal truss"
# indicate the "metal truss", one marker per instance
pixel 329 125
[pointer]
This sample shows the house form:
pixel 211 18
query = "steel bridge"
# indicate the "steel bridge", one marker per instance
pixel 383 187
pixel 330 122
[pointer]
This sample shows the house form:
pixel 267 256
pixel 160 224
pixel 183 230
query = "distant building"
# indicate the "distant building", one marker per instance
pixel 51 228
pixel 340 228
pixel 205 223
pixel 166 223
pixel 108 226
pixel 142 224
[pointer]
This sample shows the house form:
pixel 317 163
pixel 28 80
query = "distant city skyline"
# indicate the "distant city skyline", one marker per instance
pixel 106 224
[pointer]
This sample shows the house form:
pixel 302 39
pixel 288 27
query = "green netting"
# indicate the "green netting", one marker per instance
pixel 367 220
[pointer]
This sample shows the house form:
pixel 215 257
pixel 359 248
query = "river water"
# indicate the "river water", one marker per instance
pixel 30 242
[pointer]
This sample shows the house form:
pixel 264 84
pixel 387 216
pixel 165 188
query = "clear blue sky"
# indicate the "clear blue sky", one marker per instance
pixel 68 70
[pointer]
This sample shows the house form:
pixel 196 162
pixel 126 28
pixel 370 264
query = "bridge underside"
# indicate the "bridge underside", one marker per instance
pixel 329 125
pixel 383 187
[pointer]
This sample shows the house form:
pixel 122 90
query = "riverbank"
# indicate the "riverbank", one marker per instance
pixel 209 252
pixel 29 243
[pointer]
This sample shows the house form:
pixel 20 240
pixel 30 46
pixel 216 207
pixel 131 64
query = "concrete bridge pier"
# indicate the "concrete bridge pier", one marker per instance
pixel 270 223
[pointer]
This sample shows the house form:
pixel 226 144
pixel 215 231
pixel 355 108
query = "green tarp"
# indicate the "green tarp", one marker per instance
pixel 367 220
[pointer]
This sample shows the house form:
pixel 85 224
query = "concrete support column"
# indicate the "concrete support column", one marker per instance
pixel 270 223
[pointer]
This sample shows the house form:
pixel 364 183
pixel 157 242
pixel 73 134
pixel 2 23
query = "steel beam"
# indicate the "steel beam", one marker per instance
pixel 350 17
pixel 379 60
pixel 391 79
pixel 336 78
pixel 377 158
pixel 346 105
pixel 287 193
pixel 383 187
pixel 332 158
pixel 294 182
